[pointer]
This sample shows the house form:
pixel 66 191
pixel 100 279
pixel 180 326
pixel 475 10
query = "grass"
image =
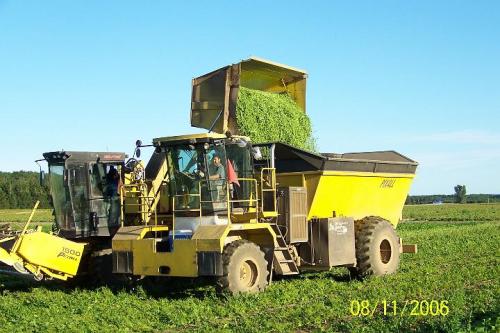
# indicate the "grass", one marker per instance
pixel 453 212
pixel 16 218
pixel 457 262
pixel 22 215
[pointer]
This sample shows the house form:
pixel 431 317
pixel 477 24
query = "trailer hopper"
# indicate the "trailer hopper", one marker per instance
pixel 215 95
pixel 350 184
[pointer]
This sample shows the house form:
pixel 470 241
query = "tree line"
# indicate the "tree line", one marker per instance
pixel 21 189
pixel 451 198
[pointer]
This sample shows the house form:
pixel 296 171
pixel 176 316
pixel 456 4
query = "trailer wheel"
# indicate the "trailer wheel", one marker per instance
pixel 244 268
pixel 377 247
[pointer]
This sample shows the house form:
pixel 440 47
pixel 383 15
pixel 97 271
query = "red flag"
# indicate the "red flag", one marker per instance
pixel 231 174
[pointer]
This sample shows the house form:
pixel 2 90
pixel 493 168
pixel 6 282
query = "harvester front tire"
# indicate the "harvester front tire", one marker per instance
pixel 245 270
pixel 377 247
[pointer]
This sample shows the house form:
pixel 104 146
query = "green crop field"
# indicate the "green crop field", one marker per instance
pixel 453 212
pixel 22 215
pixel 451 284
pixel 16 218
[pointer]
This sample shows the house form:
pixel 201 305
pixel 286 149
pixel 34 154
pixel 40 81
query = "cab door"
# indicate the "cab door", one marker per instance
pixel 104 199
pixel 78 185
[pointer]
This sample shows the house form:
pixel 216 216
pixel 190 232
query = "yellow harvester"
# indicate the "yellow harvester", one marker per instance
pixel 217 205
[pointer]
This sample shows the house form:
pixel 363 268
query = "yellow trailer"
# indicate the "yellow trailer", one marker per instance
pixel 350 184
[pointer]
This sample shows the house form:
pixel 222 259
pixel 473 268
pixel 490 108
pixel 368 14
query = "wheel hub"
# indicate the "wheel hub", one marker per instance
pixel 248 273
pixel 385 251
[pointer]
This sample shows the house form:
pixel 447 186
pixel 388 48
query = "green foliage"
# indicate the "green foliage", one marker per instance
pixel 460 194
pixel 453 212
pixel 450 198
pixel 21 189
pixel 457 262
pixel 22 215
pixel 266 117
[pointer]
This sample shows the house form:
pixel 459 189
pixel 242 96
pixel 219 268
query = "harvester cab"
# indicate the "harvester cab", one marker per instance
pixel 84 191
pixel 213 177
pixel 86 201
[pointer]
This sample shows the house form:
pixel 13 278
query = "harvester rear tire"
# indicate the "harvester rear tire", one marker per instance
pixel 377 247
pixel 245 269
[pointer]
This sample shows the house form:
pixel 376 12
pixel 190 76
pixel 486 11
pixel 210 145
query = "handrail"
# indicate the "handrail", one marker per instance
pixel 270 188
pixel 174 210
pixel 250 200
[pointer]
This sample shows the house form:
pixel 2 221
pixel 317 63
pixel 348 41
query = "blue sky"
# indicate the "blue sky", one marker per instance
pixel 419 77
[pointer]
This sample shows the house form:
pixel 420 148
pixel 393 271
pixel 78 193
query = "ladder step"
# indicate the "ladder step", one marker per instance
pixel 286 261
pixel 281 248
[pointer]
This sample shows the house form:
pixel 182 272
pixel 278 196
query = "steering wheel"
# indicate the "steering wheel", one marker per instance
pixel 191 176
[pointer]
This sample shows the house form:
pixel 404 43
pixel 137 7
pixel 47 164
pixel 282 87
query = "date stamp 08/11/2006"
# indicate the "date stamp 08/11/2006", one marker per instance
pixel 366 308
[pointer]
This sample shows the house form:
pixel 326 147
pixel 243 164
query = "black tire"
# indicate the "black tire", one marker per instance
pixel 377 247
pixel 245 270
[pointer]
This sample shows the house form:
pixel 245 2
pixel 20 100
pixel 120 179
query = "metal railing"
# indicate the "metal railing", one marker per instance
pixel 144 202
pixel 138 191
pixel 268 184
pixel 186 197
pixel 252 200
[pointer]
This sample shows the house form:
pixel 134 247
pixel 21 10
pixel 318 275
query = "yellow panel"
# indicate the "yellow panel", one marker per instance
pixel 210 245
pixel 122 245
pixel 358 194
pixel 211 237
pixel 182 261
pixel 59 254
pixel 258 233
pixel 290 179
pixel 7 258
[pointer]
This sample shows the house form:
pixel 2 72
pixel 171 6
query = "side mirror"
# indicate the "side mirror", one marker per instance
pixel 42 178
pixel 138 152
pixel 138 143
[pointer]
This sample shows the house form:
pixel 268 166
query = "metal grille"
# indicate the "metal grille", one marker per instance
pixel 293 213
pixel 122 262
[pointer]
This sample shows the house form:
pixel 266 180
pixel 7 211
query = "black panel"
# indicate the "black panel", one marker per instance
pixel 331 243
pixel 122 262
pixel 291 159
pixel 209 264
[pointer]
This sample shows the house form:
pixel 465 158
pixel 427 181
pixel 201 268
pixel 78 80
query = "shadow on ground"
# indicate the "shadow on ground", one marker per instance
pixel 172 288
pixel 156 287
